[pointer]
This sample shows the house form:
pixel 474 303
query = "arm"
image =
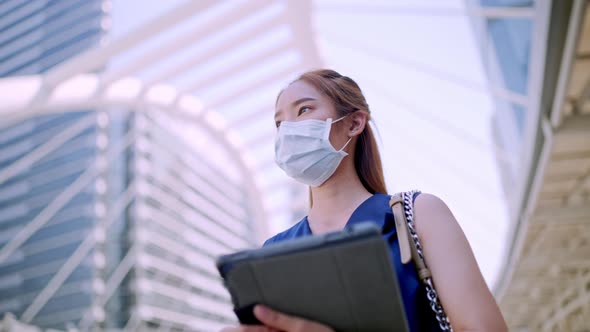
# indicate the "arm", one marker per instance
pixel 461 288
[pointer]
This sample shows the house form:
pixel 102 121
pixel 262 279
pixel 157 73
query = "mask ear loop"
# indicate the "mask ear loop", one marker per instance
pixel 342 149
pixel 339 118
pixel 329 124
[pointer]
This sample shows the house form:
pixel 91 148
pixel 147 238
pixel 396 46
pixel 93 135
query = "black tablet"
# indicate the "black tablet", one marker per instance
pixel 344 280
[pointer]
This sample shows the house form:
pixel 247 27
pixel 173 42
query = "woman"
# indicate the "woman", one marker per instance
pixel 346 180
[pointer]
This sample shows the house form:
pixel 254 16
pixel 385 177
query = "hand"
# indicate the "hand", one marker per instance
pixel 276 321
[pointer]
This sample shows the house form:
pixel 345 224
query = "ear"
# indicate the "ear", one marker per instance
pixel 358 121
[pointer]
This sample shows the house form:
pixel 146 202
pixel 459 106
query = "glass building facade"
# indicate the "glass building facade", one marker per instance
pixel 157 199
pixel 34 37
pixel 191 206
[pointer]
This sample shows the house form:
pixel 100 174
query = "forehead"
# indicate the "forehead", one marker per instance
pixel 296 91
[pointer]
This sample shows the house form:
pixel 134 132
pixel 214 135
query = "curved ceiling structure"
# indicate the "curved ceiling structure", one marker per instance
pixel 246 48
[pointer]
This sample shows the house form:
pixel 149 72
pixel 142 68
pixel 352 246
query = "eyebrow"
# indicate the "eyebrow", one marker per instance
pixel 297 102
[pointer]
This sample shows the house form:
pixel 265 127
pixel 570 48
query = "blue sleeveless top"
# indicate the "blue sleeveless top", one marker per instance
pixel 376 209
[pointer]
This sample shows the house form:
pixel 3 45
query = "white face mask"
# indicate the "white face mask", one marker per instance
pixel 303 150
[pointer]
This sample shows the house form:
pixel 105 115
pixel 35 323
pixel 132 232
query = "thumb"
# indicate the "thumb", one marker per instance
pixel 277 319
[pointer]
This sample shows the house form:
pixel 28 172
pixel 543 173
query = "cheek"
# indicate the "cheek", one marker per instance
pixel 338 136
pixel 287 116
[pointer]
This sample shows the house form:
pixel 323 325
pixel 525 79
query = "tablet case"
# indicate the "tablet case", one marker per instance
pixel 344 280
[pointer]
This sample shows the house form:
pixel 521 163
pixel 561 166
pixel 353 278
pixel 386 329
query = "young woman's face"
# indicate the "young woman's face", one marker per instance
pixel 301 101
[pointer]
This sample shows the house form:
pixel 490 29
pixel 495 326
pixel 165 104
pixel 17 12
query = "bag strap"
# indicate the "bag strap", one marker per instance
pixel 403 237
pixel 402 206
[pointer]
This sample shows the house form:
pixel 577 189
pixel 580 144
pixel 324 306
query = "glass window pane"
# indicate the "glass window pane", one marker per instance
pixel 507 3
pixel 508 53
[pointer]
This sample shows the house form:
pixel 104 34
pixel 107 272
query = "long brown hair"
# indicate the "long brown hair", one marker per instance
pixel 348 98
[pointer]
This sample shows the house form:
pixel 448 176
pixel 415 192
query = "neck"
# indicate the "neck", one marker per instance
pixel 337 198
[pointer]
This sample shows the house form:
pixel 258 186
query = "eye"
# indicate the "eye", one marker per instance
pixel 277 123
pixel 303 109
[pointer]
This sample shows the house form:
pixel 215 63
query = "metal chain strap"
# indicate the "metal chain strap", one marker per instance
pixel 431 294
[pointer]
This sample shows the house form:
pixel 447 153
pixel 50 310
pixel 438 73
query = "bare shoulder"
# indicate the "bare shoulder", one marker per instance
pixel 429 203
pixel 432 215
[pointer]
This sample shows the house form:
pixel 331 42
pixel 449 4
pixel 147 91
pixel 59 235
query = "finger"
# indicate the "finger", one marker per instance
pixel 248 328
pixel 231 329
pixel 277 319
